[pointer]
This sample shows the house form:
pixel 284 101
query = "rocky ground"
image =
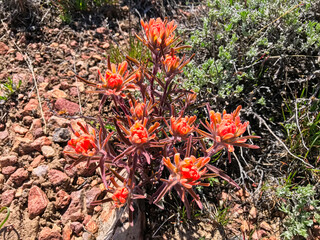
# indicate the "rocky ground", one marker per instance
pixel 48 197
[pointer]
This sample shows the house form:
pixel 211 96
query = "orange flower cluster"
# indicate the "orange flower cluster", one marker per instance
pixel 228 127
pixel 187 171
pixel 84 143
pixel 120 196
pixel 159 33
pixel 138 110
pixel 181 127
pixel 138 133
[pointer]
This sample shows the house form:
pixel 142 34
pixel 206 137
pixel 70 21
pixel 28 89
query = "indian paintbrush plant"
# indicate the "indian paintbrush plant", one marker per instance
pixel 152 127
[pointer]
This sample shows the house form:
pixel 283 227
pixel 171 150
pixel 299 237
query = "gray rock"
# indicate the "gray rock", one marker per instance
pixel 61 135
pixel 40 171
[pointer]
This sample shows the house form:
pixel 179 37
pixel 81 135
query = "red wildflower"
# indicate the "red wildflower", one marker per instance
pixel 173 64
pixel 181 127
pixel 85 142
pixel 138 133
pixel 120 196
pixel 116 80
pixel 159 34
pixel 187 171
pixel 226 130
pixel 84 145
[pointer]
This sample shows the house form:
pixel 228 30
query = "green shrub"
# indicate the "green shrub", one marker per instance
pixel 300 206
pixel 236 37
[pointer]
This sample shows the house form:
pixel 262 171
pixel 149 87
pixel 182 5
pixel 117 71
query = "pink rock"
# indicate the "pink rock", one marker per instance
pixel 3 48
pixel 41 141
pixel 36 123
pixel 18 129
pixel 105 45
pixel 8 170
pixel 19 57
pixel 74 211
pixel 66 232
pixel 57 93
pixel 7 197
pixel 70 171
pixel 101 30
pixel 38 133
pixel 8 160
pixel 92 195
pixel 32 105
pixel 35 163
pixel 49 234
pixel 48 151
pixel 61 122
pixel 73 43
pixel 73 92
pixel 92 226
pixel 19 176
pixel 70 108
pixel 85 171
pixel 63 199
pixel 4 134
pixel 27 120
pixel 37 202
pixel 57 177
pixel 76 227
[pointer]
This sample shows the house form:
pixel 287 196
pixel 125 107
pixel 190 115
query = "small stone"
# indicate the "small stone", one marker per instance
pixel 27 120
pixel 40 171
pixel 74 211
pixel 86 236
pixel 7 197
pixel 97 57
pixel 19 176
pixel 40 142
pixel 66 232
pixel 18 129
pixel 61 135
pixel 8 160
pixel 92 195
pixel 264 225
pixel 101 30
pixel 70 108
pixel 35 163
pixel 61 122
pixel 19 57
pixel 73 43
pixel 8 170
pixel 4 134
pixel 37 201
pixel 85 171
pixel 38 133
pixel 36 123
pixel 106 45
pixel 49 234
pixel 92 226
pixel 73 91
pixel 76 227
pixel 48 151
pixel 57 177
pixel 3 48
pixel 253 213
pixel 79 85
pixel 57 93
pixel 2 179
pixel 32 105
pixel 19 192
pixel 63 199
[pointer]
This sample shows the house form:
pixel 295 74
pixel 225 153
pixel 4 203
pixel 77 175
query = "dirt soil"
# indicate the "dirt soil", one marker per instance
pixel 51 200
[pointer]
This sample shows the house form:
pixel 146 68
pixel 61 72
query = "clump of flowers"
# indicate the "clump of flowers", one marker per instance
pixel 153 127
